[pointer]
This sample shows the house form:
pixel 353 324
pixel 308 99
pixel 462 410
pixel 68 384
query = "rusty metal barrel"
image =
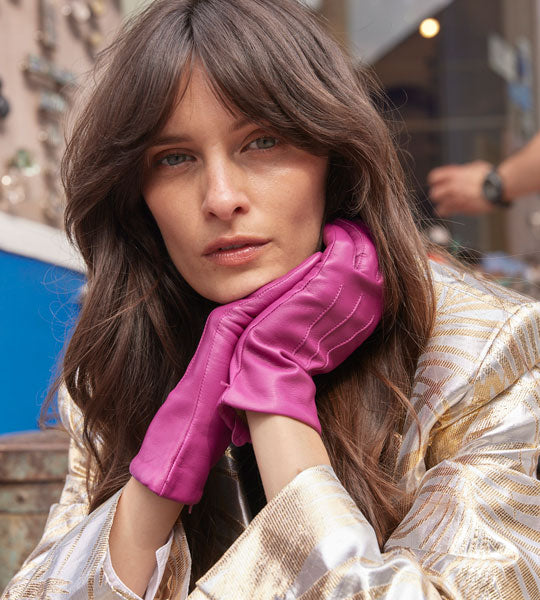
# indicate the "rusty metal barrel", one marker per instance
pixel 33 468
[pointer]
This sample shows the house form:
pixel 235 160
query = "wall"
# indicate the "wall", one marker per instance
pixel 27 123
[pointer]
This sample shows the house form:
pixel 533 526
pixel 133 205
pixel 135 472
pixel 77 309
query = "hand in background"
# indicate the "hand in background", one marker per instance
pixel 457 189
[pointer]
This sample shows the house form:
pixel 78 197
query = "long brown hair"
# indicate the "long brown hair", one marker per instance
pixel 272 61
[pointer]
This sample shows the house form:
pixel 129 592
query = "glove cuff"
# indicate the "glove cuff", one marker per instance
pixel 288 394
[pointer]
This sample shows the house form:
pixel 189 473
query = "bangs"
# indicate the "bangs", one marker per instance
pixel 254 54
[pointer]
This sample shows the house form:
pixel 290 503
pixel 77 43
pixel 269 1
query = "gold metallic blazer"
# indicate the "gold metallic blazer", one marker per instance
pixel 473 530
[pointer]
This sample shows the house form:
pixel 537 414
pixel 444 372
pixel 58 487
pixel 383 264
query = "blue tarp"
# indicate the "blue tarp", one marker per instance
pixel 38 307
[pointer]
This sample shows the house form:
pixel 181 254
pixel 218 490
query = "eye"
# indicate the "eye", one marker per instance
pixel 173 159
pixel 263 143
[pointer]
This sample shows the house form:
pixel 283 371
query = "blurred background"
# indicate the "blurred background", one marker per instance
pixel 461 82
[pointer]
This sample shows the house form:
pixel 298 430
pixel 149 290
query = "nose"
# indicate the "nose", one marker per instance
pixel 224 195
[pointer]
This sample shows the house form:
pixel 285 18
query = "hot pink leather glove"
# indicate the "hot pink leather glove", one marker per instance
pixel 309 330
pixel 187 436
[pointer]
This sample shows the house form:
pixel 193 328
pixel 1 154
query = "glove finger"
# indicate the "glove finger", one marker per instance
pixel 308 270
pixel 355 304
pixel 358 235
pixel 357 307
pixel 340 251
pixel 343 257
pixel 319 288
pixel 342 337
pixel 361 238
pixel 270 292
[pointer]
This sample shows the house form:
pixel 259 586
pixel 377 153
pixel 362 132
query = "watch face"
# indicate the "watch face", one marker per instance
pixel 492 188
pixel 491 191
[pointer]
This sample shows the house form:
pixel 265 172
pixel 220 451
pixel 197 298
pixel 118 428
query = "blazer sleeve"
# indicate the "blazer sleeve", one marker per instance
pixel 472 532
pixel 71 561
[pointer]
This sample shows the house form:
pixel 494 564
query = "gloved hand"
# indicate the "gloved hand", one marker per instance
pixel 187 436
pixel 309 330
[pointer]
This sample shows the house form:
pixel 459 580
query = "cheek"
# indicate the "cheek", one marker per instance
pixel 179 240
pixel 174 228
pixel 308 190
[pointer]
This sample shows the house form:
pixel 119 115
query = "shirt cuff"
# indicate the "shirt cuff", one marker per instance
pixel 162 555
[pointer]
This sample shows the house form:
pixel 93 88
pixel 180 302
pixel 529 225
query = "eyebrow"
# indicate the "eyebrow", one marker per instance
pixel 164 140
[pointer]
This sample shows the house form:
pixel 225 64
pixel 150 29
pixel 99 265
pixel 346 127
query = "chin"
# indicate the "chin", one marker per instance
pixel 237 288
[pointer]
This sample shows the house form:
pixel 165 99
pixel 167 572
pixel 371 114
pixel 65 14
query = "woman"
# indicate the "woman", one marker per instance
pixel 221 141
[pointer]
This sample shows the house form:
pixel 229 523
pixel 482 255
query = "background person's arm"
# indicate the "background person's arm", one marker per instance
pixel 457 189
pixel 520 172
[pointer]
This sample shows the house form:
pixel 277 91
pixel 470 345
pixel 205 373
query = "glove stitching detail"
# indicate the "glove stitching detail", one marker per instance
pixel 330 331
pixel 361 233
pixel 359 332
pixel 321 315
pixel 226 313
pixel 173 463
pixel 359 259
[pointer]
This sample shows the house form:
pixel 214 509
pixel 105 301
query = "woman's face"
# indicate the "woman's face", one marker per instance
pixel 237 206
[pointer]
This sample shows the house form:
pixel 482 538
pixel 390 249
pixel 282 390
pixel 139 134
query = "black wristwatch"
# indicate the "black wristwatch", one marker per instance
pixel 493 189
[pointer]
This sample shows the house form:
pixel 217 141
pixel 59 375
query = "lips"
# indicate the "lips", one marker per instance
pixel 234 251
pixel 230 244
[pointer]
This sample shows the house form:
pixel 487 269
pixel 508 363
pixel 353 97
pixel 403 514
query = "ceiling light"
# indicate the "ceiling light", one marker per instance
pixel 429 28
